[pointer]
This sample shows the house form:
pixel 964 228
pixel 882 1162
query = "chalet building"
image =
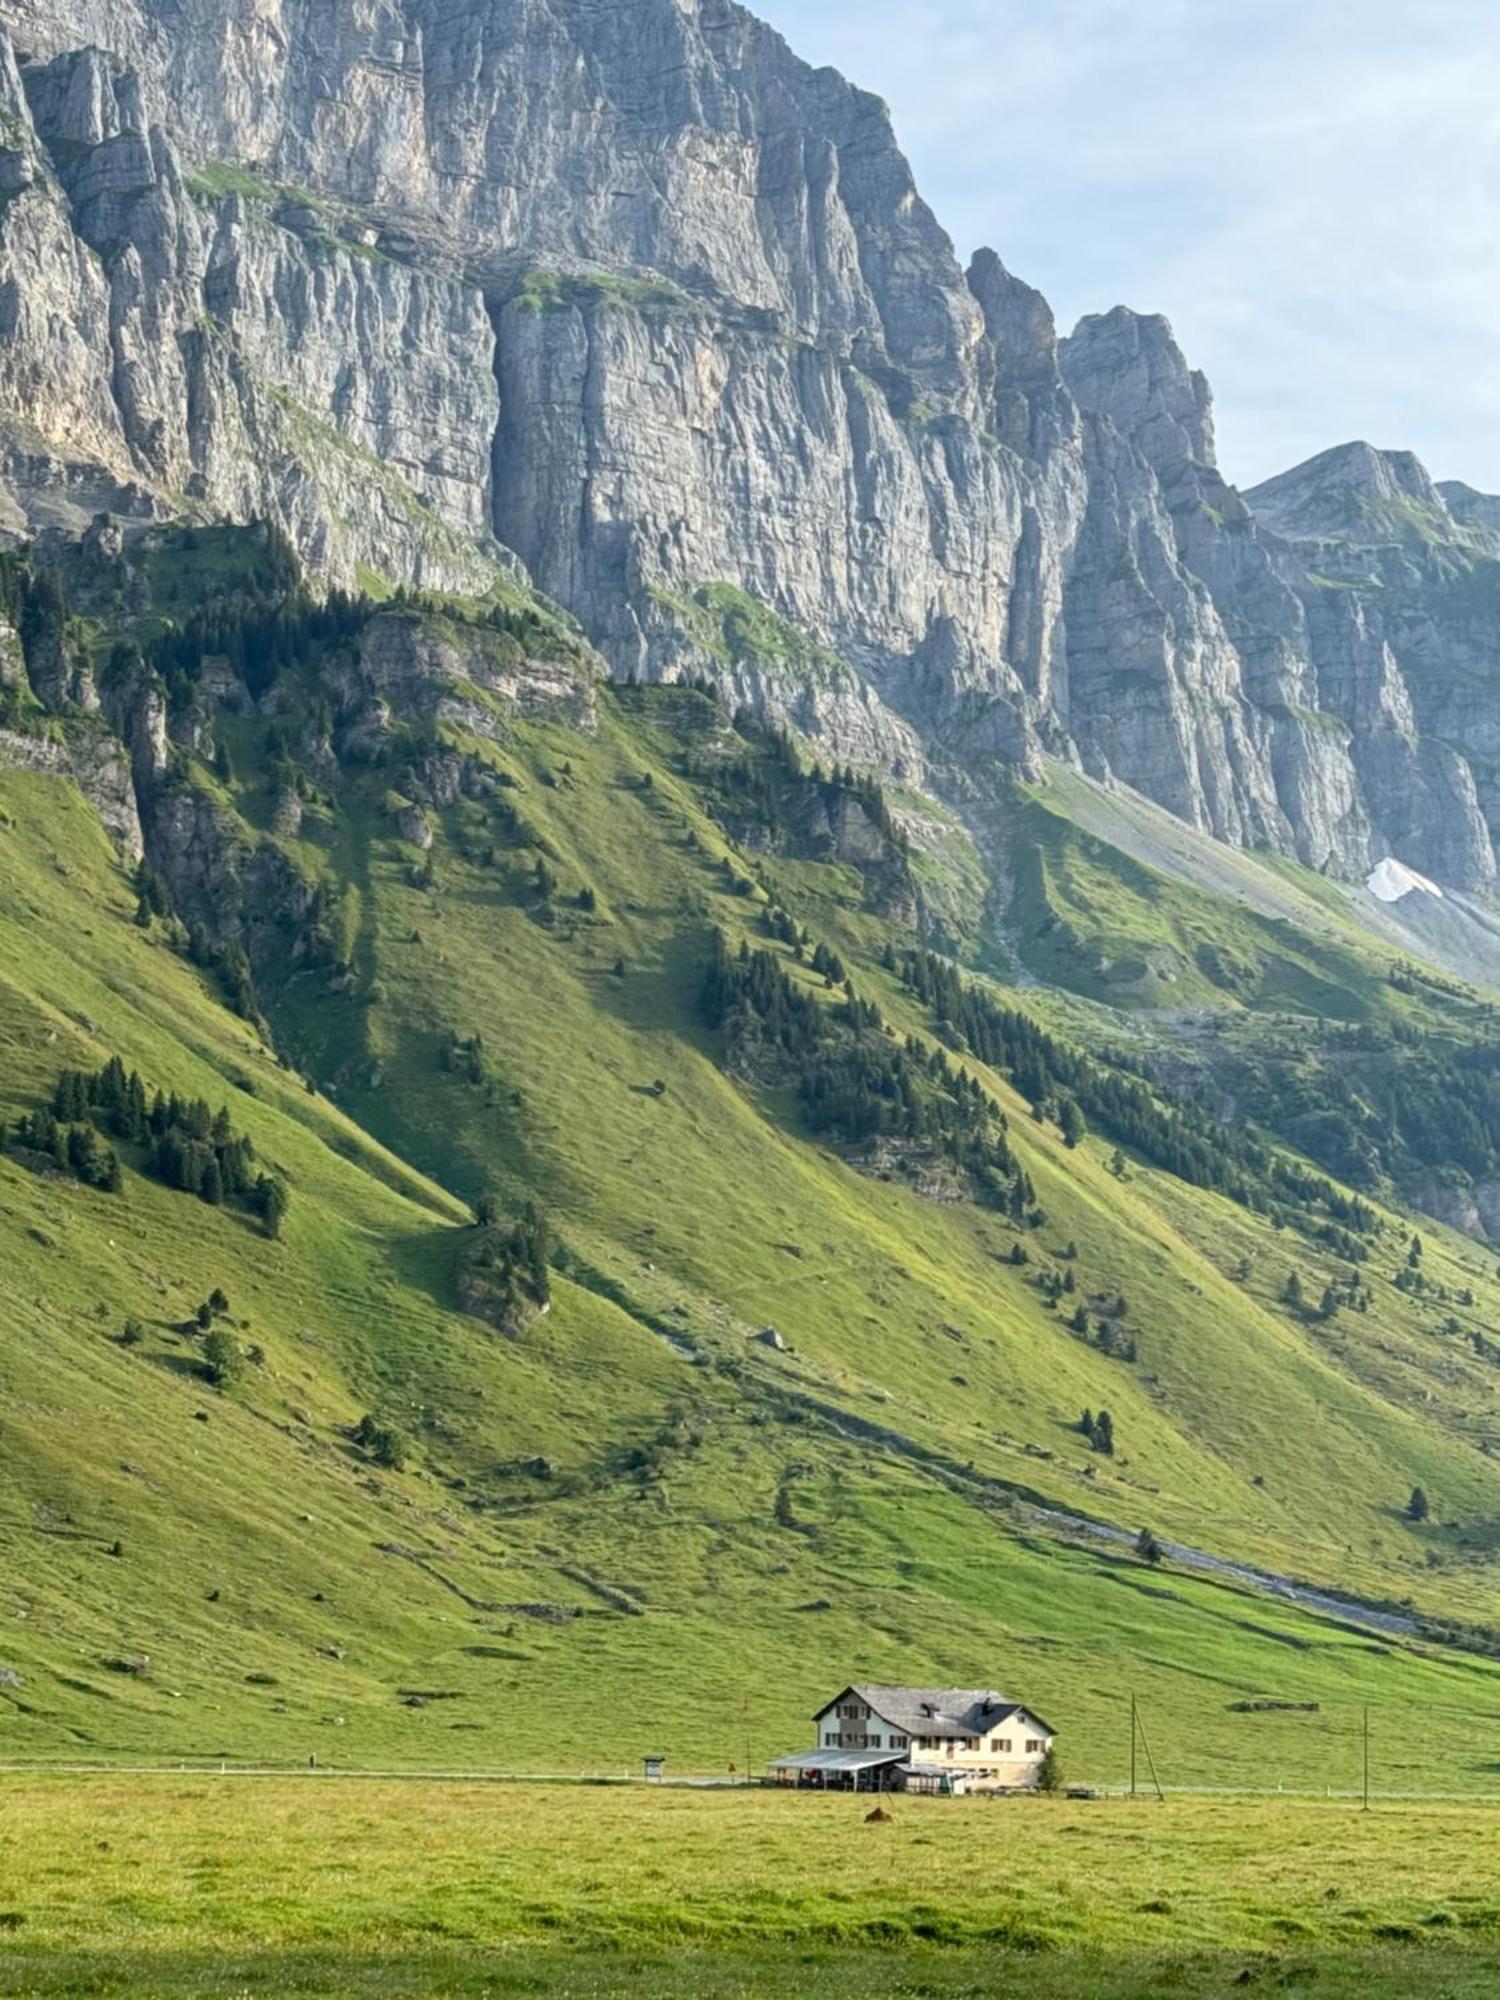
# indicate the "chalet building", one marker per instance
pixel 877 1739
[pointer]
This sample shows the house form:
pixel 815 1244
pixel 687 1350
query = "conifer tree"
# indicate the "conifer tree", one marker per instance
pixel 271 1200
pixel 223 1363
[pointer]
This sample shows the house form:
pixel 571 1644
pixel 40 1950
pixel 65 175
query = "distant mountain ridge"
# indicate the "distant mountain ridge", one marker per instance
pixel 638 298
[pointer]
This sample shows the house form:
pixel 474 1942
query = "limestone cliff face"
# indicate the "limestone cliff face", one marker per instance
pixel 1401 600
pixel 631 292
pixel 210 343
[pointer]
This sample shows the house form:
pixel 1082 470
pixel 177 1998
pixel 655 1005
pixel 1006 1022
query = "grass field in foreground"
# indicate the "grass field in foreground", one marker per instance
pixel 217 1886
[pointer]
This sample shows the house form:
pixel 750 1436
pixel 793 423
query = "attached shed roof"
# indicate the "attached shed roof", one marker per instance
pixel 836 1760
pixel 940 1711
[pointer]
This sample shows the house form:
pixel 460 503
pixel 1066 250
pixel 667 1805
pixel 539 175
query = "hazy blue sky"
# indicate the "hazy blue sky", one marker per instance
pixel 1308 189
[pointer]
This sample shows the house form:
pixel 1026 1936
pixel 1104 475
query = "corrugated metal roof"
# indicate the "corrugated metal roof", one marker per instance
pixel 836 1760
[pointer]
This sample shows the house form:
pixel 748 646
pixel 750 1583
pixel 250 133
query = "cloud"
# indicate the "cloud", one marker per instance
pixel 1309 189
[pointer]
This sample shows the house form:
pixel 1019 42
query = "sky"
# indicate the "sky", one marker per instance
pixel 1308 189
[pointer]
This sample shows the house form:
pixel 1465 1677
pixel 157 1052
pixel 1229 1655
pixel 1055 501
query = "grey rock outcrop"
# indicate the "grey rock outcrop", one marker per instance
pixel 1478 511
pixel 93 759
pixel 464 676
pixel 634 293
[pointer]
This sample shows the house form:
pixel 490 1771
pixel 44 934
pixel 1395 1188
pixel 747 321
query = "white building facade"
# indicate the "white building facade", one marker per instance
pixel 952 1740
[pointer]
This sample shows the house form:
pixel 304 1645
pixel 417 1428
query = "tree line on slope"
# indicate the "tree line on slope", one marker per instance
pixel 1380 1101
pixel 858 1084
pixel 261 638
pixel 180 1141
pixel 1179 1136
pixel 769 784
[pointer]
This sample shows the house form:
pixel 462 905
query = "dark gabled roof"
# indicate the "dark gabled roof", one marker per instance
pixel 938 1711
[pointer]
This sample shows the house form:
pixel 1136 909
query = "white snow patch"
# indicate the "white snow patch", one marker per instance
pixel 1393 879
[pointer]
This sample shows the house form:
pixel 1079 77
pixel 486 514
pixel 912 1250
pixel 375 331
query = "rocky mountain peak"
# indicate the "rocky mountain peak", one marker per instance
pixel 1354 492
pixel 1021 375
pixel 1126 367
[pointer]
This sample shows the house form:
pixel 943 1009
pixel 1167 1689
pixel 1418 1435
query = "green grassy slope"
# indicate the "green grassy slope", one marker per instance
pixel 1277 995
pixel 632 1508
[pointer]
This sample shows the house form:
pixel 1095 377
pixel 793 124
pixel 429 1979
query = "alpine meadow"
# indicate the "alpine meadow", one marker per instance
pixel 749 1073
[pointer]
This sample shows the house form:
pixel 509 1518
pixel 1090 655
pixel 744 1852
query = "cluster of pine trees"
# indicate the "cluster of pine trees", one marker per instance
pixel 1337 1294
pixel 1180 1137
pixel 782 926
pixel 532 634
pixel 856 1082
pixel 75 1149
pixel 463 1055
pixel 1099 1430
pixel 262 634
pixel 1099 1321
pixel 506 1276
pixel 185 1144
pixel 33 605
pixel 770 788
pixel 386 1443
pixel 1413 1278
pixel 1424 1104
pixel 1049 1074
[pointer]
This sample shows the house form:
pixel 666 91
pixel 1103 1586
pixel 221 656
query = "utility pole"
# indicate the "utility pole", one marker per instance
pixel 1365 1807
pixel 1151 1765
pixel 1132 1746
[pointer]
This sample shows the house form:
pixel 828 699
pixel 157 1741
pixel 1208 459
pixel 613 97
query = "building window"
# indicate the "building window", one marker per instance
pixel 1001 1743
pixel 1034 1746
pixel 898 1742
